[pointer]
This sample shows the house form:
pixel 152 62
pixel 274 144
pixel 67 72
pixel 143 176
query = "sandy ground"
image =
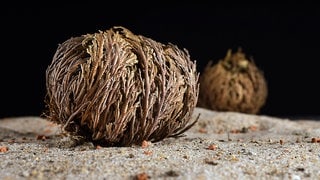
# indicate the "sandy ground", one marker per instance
pixel 222 145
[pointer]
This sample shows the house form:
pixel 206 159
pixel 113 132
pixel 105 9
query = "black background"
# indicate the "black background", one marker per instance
pixel 283 40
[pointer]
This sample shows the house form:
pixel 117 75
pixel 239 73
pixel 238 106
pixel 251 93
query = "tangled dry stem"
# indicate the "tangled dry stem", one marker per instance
pixel 118 89
pixel 233 84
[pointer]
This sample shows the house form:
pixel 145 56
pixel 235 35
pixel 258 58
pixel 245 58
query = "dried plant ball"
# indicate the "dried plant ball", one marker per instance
pixel 115 88
pixel 233 84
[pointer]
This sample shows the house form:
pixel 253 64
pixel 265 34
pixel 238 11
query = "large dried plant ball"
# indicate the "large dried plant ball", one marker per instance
pixel 233 84
pixel 115 88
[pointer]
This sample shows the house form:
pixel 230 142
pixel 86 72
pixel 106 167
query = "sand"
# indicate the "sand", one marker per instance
pixel 222 145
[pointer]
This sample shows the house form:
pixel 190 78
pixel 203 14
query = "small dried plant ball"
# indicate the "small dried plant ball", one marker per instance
pixel 115 88
pixel 233 84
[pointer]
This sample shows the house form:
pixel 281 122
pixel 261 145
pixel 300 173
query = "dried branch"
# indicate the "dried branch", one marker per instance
pixel 117 89
pixel 233 84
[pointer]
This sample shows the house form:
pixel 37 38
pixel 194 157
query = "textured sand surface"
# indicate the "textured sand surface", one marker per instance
pixel 222 145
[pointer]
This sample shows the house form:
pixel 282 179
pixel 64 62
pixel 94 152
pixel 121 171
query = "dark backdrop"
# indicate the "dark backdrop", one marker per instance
pixel 283 39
